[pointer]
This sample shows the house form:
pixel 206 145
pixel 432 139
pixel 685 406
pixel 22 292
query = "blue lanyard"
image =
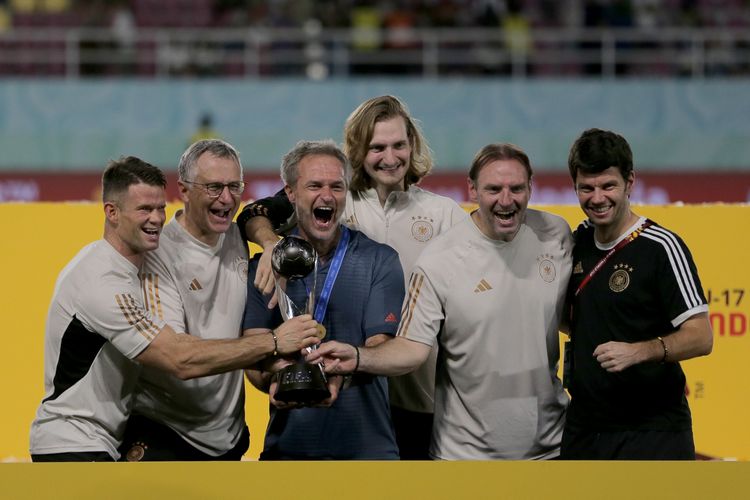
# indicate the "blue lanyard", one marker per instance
pixel 333 271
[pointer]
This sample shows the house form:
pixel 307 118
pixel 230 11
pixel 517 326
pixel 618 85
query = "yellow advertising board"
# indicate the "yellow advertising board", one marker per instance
pixel 39 239
pixel 366 480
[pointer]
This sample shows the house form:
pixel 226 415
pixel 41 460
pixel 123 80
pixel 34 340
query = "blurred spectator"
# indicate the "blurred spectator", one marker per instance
pixel 399 23
pixel 517 36
pixel 620 15
pixel 124 34
pixel 5 16
pixel 47 6
pixel 487 54
pixel 366 20
pixel 94 14
pixel 205 129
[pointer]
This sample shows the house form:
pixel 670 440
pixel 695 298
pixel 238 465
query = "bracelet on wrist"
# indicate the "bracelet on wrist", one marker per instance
pixel 275 342
pixel 666 350
pixel 356 364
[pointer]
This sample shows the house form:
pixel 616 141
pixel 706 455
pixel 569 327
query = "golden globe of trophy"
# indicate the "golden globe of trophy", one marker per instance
pixel 293 259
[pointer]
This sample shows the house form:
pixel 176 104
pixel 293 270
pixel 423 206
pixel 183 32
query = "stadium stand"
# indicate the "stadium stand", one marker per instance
pixel 341 38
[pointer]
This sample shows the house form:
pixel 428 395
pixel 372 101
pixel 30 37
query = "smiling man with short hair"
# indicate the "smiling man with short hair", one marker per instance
pixel 100 332
pixel 196 282
pixel 389 156
pixel 489 292
pixel 637 309
pixel 359 290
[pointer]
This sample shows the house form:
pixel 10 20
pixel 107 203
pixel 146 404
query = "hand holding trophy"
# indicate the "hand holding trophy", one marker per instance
pixel 293 259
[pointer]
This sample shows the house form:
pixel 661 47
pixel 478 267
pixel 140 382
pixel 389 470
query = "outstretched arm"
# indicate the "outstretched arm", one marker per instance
pixel 186 356
pixel 693 338
pixel 395 356
pixel 263 377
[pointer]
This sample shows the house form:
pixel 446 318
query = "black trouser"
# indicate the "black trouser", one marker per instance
pixel 148 441
pixel 74 456
pixel 413 433
pixel 586 444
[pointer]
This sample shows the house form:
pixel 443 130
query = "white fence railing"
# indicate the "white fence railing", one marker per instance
pixel 319 53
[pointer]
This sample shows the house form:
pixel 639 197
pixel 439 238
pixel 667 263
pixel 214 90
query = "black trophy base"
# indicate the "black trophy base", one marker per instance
pixel 302 383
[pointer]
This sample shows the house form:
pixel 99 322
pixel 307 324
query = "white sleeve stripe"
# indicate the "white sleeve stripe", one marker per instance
pixel 685 267
pixel 681 270
pixel 676 322
pixel 677 270
pixel 677 274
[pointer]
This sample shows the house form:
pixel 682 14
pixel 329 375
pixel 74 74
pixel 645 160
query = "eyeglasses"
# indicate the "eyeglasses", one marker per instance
pixel 214 189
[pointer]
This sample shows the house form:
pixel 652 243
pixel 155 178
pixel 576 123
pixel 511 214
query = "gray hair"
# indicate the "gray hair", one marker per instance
pixel 217 147
pixel 290 161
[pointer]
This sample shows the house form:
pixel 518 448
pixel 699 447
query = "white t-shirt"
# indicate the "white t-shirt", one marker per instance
pixel 200 290
pixel 96 325
pixel 494 308
pixel 408 222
